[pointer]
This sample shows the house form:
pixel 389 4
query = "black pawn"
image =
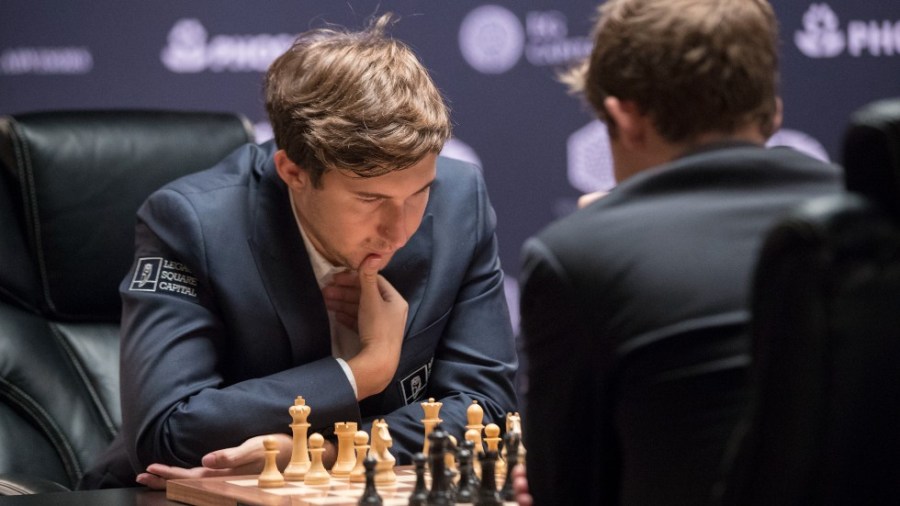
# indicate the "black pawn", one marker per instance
pixel 511 443
pixel 487 492
pixel 419 495
pixel 474 482
pixel 370 494
pixel 467 487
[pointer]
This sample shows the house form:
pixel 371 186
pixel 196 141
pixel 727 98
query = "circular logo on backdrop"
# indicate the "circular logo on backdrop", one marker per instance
pixel 590 163
pixel 491 39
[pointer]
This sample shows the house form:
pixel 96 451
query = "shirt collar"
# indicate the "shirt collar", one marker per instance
pixel 322 268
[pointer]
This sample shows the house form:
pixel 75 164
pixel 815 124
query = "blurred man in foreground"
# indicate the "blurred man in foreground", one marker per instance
pixel 634 310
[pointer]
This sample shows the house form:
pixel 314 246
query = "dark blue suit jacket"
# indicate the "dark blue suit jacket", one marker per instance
pixel 224 324
pixel 634 314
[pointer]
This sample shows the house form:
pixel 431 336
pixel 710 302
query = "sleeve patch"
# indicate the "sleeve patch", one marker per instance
pixel 156 274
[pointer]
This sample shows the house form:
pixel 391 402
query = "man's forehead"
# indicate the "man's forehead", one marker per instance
pixel 411 178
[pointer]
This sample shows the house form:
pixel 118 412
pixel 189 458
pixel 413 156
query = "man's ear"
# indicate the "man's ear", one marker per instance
pixel 291 173
pixel 779 115
pixel 630 122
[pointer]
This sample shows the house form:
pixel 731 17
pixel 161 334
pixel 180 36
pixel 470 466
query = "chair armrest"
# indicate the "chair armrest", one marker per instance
pixel 23 484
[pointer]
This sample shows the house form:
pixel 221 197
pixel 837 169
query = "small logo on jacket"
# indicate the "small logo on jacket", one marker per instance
pixel 146 275
pixel 414 384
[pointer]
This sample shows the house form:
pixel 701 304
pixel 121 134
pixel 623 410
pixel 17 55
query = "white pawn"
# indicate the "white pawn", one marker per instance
pixel 450 457
pixel 492 440
pixel 477 449
pixel 270 476
pixel 317 474
pixel 360 444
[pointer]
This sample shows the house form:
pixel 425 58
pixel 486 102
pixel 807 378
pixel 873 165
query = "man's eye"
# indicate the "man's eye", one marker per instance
pixel 369 199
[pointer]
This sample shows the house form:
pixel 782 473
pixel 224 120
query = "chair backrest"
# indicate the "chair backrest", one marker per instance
pixel 871 154
pixel 679 393
pixel 822 428
pixel 70 184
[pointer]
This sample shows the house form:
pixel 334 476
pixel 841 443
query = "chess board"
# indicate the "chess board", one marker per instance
pixel 234 490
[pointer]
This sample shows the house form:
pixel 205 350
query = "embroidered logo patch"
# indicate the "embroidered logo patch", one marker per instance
pixel 156 274
pixel 414 384
pixel 146 275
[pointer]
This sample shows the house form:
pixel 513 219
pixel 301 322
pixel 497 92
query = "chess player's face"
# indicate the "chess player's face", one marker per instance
pixel 348 218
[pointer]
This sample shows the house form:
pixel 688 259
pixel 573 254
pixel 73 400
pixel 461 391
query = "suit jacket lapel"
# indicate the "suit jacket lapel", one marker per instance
pixel 286 271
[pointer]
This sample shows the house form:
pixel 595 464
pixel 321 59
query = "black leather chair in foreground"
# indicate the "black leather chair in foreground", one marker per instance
pixel 825 425
pixel 70 183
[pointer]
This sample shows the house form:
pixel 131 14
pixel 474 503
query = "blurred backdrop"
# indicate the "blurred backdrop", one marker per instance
pixel 495 62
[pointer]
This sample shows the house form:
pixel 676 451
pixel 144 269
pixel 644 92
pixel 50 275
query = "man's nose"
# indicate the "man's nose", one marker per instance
pixel 393 228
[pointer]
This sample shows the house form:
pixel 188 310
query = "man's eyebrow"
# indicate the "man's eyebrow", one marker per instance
pixel 373 195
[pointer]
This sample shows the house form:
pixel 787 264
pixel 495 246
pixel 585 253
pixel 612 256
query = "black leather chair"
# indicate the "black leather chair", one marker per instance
pixel 824 427
pixel 70 183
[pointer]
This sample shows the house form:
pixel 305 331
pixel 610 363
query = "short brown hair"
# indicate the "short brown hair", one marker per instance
pixel 695 66
pixel 356 101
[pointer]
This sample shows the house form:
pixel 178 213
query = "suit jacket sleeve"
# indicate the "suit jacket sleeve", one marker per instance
pixel 566 425
pixel 177 400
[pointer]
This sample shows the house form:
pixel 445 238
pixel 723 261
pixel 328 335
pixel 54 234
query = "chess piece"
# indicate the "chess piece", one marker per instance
pixel 492 440
pixel 419 495
pixel 450 455
pixel 299 463
pixel 270 476
pixel 440 493
pixel 317 474
pixel 487 491
pixel 468 482
pixel 370 495
pixel 346 457
pixel 475 419
pixel 360 444
pixel 474 437
pixel 514 424
pixel 431 409
pixel 511 444
pixel 473 460
pixel 381 442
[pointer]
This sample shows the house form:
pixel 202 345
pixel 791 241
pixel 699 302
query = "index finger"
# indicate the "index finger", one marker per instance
pixel 368 271
pixel 248 452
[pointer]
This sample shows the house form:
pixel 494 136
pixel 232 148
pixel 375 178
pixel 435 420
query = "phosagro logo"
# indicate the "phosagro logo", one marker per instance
pixel 822 36
pixel 189 49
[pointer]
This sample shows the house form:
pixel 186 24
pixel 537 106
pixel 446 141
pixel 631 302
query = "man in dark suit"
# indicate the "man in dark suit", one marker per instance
pixel 345 262
pixel 634 309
